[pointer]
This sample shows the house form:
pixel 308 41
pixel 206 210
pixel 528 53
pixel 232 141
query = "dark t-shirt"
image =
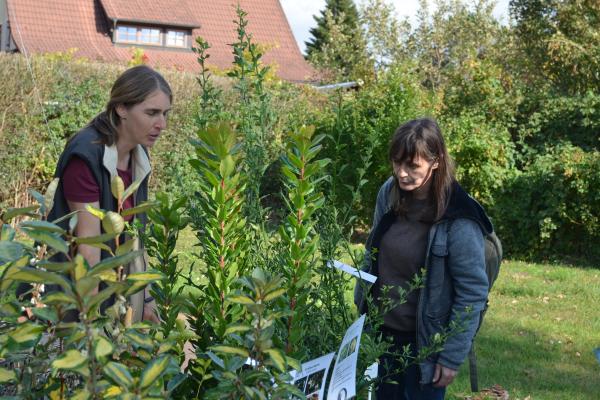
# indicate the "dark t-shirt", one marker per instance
pixel 79 184
pixel 401 256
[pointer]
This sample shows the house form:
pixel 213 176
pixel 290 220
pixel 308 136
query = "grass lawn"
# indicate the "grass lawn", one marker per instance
pixel 538 335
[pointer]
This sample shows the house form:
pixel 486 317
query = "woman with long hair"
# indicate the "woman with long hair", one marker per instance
pixel 114 143
pixel 426 229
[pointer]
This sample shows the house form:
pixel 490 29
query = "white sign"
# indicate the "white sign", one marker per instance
pixel 343 379
pixel 352 271
pixel 311 380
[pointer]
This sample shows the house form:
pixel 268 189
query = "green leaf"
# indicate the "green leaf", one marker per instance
pixel 81 394
pixel 49 195
pixel 26 333
pixel 7 232
pixel 43 226
pixel 10 251
pixel 7 375
pixel 146 276
pixel 240 299
pixel 153 371
pixel 102 347
pixel 113 262
pixel 51 239
pixel 15 212
pixel 45 313
pixel 231 350
pixel 125 247
pixel 140 340
pixel 131 189
pixel 32 275
pixel 56 298
pixel 70 360
pixel 86 284
pixel 234 328
pixel 117 187
pixel 118 373
pixel 55 266
pixel 274 294
pixel 141 208
pixel 105 237
pixel 277 357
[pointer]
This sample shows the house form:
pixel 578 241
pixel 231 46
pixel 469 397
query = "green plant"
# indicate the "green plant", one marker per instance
pixel 63 345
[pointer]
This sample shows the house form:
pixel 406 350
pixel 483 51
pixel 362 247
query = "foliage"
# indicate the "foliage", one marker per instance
pixel 343 12
pixel 63 345
pixel 551 207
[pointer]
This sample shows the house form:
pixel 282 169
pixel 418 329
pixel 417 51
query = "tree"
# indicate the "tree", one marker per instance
pixel 344 13
pixel 559 42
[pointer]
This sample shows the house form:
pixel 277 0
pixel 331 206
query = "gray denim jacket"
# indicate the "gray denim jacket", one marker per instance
pixel 456 285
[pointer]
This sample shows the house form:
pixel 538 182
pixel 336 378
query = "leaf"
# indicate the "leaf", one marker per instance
pixel 153 371
pixel 139 339
pixel 274 294
pixel 95 239
pixel 15 212
pixel 102 347
pixel 146 276
pixel 96 212
pixel 141 208
pixel 81 394
pixel 49 195
pixel 86 284
pixel 56 298
pixel 32 275
pixel 7 375
pixel 132 188
pixel 117 187
pixel 231 350
pixel 113 223
pixel 10 251
pixel 26 333
pixel 113 262
pixel 118 373
pixel 126 247
pixel 43 226
pixel 81 267
pixel 277 357
pixel 70 360
pixel 233 328
pixel 241 299
pixel 45 313
pixel 51 239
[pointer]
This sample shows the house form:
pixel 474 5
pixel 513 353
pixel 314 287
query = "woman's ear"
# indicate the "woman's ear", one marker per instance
pixel 121 111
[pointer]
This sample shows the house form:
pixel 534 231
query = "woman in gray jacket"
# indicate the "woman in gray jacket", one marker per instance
pixel 425 223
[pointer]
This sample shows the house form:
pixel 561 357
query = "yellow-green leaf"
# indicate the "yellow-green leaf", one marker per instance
pixel 112 391
pixel 81 394
pixel 7 375
pixel 43 226
pixel 233 328
pixel 103 347
pixel 117 187
pixel 96 212
pixel 80 267
pixel 139 339
pixel 113 262
pixel 15 212
pixel 277 357
pixel 49 195
pixel 51 239
pixel 274 294
pixel 131 189
pixel 118 373
pixel 126 247
pixel 105 237
pixel 70 360
pixel 27 332
pixel 153 371
pixel 241 299
pixel 231 350
pixel 113 223
pixel 145 276
pixel 141 208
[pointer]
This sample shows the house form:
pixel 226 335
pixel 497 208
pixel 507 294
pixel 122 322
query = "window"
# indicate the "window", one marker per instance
pixel 150 36
pixel 176 38
pixel 127 34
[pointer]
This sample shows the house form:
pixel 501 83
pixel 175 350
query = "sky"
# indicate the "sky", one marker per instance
pixel 300 14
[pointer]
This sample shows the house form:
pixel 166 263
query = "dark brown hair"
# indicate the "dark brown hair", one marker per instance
pixel 422 138
pixel 132 87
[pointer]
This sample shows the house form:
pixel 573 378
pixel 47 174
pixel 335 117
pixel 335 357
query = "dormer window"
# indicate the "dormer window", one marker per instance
pixel 153 36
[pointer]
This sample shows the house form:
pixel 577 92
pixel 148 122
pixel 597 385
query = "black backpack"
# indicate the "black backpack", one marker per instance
pixel 493 259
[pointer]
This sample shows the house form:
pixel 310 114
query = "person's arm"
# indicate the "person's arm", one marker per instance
pixel 87 225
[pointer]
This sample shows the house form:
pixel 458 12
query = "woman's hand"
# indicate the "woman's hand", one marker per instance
pixel 149 313
pixel 443 376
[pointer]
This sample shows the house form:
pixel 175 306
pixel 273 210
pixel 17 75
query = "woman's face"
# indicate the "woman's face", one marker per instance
pixel 143 122
pixel 414 175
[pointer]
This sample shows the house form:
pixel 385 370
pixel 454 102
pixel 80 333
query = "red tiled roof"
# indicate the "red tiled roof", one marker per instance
pixel 59 25
pixel 162 12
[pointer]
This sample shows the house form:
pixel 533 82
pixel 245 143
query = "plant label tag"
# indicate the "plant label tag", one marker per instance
pixel 352 271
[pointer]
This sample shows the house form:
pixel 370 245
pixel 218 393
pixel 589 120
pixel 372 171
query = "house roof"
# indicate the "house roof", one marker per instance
pixel 84 25
pixel 159 12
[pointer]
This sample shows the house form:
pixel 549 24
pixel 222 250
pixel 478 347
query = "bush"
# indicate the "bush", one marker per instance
pixel 550 210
